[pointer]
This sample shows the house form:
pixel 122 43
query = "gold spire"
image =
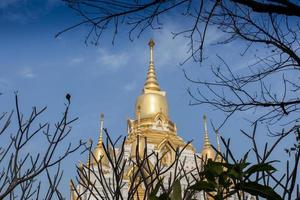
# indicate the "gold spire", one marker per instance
pixel 207 150
pixel 90 143
pixel 206 138
pixel 151 80
pixel 152 100
pixel 218 141
pixel 99 152
pixel 219 157
pixel 101 130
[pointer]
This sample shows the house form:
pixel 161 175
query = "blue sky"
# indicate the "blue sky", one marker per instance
pixel 101 79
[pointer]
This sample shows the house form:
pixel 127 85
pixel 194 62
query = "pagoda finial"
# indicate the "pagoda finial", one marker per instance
pixel 151 80
pixel 207 150
pixel 101 130
pixel 219 157
pixel 151 45
pixel 218 141
pixel 206 138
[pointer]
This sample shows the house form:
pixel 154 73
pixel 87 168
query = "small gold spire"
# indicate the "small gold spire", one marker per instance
pixel 151 80
pixel 218 141
pixel 101 130
pixel 99 152
pixel 207 151
pixel 206 138
pixel 219 157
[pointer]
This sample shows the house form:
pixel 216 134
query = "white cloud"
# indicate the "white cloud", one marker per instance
pixel 20 11
pixel 213 35
pixel 111 60
pixel 27 72
pixel 175 50
pixel 169 50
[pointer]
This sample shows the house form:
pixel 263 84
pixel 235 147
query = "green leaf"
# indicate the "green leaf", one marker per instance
pixel 242 165
pixel 163 196
pixel 203 186
pixel 246 157
pixel 236 171
pixel 224 180
pixel 176 190
pixel 152 195
pixel 258 189
pixel 214 168
pixel 259 168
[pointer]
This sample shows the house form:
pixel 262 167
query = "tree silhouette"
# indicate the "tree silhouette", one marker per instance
pixel 33 174
pixel 257 24
pixel 267 24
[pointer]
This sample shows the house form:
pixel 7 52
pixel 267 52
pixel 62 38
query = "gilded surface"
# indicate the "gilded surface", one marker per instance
pixel 152 126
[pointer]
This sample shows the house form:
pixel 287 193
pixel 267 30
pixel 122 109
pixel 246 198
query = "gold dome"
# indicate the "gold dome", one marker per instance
pixel 152 100
pixel 100 154
pixel 208 153
pixel 150 103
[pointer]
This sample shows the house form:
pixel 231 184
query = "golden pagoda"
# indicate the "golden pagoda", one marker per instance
pixel 152 119
pixel 152 128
